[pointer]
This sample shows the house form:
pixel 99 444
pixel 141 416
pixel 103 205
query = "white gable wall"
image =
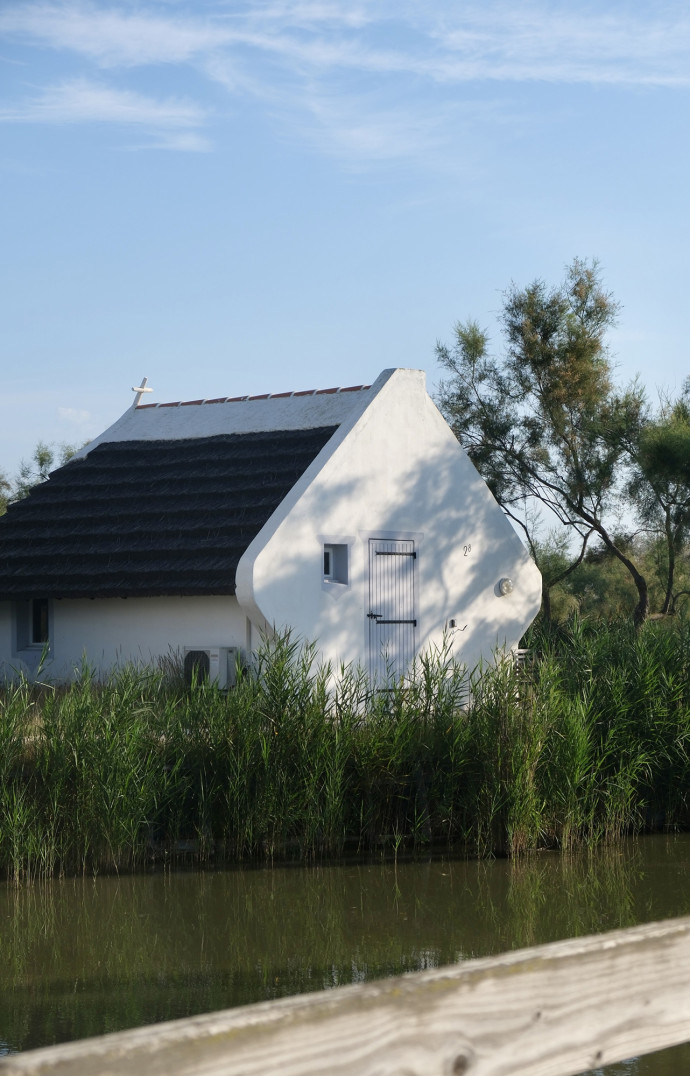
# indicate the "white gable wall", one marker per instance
pixel 394 471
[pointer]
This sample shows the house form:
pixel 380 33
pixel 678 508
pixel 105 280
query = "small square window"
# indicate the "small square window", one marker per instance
pixel 335 563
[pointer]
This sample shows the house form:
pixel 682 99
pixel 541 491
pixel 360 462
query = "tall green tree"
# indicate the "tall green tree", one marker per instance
pixel 31 472
pixel 660 479
pixel 538 419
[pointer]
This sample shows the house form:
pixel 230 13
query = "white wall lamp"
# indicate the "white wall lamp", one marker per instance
pixel 505 587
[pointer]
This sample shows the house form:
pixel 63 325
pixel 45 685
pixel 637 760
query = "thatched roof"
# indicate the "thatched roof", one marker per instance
pixel 165 517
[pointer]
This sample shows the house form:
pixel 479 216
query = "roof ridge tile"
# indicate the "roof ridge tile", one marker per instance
pixel 261 396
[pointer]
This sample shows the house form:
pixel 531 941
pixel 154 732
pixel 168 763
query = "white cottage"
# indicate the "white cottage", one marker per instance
pixel 351 515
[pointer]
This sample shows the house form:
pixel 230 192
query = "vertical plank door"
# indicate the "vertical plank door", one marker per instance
pixel 391 614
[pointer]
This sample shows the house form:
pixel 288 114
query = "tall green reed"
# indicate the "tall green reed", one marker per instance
pixel 587 742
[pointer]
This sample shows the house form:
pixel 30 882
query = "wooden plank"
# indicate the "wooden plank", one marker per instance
pixel 553 1010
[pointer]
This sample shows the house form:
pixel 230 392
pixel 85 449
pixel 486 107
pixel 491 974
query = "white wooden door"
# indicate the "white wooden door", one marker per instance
pixel 391 613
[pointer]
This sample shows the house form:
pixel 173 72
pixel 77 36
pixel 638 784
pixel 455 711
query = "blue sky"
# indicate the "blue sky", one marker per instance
pixel 251 197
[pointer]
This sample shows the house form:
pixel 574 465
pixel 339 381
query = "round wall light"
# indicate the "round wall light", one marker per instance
pixel 505 586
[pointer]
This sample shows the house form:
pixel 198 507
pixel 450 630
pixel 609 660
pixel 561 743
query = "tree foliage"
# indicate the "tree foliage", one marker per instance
pixel 5 490
pixel 659 484
pixel 31 472
pixel 543 420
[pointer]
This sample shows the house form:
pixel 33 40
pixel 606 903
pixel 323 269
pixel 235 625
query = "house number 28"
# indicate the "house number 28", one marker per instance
pixel 466 550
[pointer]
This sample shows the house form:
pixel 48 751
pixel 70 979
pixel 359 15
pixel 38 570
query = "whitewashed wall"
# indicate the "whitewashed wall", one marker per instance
pixel 108 632
pixel 394 471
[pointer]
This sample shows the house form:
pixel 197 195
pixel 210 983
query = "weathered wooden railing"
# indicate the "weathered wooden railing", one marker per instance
pixel 556 1009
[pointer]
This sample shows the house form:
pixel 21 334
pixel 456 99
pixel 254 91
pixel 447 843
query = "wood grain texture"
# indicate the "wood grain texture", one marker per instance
pixel 554 1010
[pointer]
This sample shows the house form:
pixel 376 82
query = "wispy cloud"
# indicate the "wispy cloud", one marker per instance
pixel 356 132
pixel 449 42
pixel 178 141
pixel 83 101
pixel 331 69
pixel 74 416
pixel 113 36
pixel 538 43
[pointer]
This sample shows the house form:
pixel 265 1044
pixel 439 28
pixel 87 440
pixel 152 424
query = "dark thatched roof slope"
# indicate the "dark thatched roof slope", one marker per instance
pixel 137 518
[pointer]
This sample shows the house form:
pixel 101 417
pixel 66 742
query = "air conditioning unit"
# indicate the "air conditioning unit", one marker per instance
pixel 218 664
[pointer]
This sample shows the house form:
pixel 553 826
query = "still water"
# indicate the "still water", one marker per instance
pixel 83 957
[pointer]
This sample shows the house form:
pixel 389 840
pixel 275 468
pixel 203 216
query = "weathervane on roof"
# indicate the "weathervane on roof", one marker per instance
pixel 140 391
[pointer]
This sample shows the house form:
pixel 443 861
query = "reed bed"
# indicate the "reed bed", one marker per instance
pixel 588 742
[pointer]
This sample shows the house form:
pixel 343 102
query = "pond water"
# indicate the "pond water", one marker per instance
pixel 86 956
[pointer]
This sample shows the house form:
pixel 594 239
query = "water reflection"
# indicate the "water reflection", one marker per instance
pixel 83 957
